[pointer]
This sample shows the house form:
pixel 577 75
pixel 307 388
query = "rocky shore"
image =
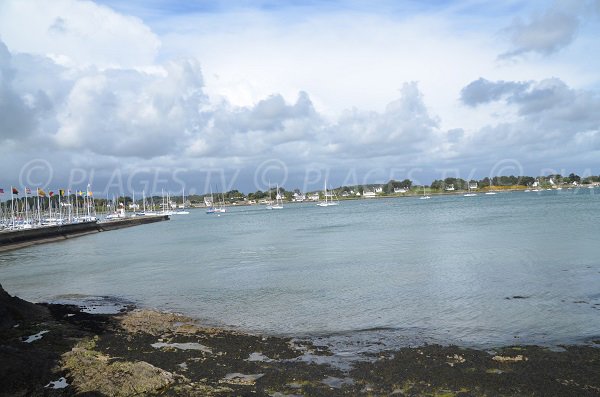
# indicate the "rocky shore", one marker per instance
pixel 58 350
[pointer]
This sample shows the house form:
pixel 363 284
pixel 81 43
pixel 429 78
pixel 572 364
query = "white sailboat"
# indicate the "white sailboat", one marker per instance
pixel 470 194
pixel 182 211
pixel 328 202
pixel 424 197
pixel 278 201
pixel 211 209
pixel 269 205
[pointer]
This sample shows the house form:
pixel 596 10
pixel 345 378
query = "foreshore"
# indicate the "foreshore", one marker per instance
pixel 50 350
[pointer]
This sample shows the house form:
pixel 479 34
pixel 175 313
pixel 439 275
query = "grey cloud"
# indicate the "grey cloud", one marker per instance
pixel 544 33
pixel 131 114
pixel 404 128
pixel 455 135
pixel 59 26
pixel 18 113
pixel 483 91
pixel 554 121
pixel 271 126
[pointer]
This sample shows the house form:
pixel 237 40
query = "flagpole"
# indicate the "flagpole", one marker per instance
pixel 12 205
pixel 26 208
pixel 39 209
pixel 87 193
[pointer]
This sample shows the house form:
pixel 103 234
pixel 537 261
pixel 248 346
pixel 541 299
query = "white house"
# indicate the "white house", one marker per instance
pixel 399 190
pixel 450 187
pixel 378 189
pixel 369 194
pixel 298 197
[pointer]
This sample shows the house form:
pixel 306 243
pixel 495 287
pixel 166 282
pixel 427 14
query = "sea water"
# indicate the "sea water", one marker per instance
pixel 480 271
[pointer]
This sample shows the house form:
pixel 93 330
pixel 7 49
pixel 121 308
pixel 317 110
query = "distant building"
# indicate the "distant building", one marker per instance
pixel 450 187
pixel 399 190
pixel 369 194
pixel 298 197
pixel 378 189
pixel 473 185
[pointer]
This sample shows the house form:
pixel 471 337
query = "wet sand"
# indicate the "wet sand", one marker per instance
pixel 141 352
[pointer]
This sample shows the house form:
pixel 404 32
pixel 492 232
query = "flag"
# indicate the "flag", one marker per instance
pixel 27 190
pixel 80 193
pixel 41 193
pixel 15 191
pixel 51 193
pixel 1 191
pixel 61 192
pixel 89 193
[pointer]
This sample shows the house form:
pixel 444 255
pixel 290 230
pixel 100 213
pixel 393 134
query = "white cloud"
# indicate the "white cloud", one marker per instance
pixel 76 33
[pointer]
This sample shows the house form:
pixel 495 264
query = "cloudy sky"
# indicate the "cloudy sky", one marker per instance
pixel 153 94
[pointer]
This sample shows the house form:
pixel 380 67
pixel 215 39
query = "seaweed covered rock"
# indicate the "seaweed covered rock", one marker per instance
pixel 14 310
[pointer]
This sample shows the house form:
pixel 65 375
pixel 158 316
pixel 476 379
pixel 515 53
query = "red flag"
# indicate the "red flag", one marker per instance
pixel 15 191
pixel 1 191
pixel 51 194
pixel 27 190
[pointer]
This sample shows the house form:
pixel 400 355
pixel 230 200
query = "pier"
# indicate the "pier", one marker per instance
pixel 20 238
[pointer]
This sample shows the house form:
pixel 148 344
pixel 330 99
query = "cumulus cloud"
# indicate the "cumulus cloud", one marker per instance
pixel 483 91
pixel 19 111
pixel 77 33
pixel 554 122
pixel 548 31
pixel 130 113
pixel 403 128
pixel 270 126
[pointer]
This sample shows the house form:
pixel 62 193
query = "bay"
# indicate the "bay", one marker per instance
pixel 479 271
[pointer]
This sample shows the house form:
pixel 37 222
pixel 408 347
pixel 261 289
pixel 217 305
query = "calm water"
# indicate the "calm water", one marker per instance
pixel 400 271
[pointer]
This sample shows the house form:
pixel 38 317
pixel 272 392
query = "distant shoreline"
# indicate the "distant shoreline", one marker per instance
pixel 416 194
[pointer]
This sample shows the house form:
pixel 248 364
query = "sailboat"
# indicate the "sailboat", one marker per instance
pixel 469 194
pixel 490 192
pixel 330 202
pixel 182 211
pixel 211 209
pixel 221 208
pixel 424 197
pixel 269 205
pixel 278 201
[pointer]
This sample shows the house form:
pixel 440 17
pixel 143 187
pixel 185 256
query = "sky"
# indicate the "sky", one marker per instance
pixel 240 94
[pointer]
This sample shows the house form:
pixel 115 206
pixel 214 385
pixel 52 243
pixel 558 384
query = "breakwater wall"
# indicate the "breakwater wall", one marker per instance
pixel 14 239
